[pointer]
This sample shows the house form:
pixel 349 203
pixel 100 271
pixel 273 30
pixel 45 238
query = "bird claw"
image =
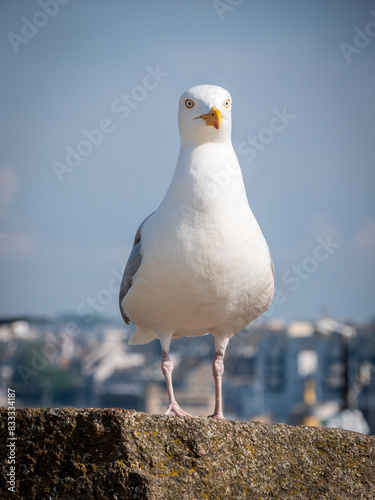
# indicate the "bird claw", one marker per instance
pixel 218 416
pixel 175 410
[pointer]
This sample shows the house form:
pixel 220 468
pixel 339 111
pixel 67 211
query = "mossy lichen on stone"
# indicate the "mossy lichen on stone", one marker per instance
pixel 120 454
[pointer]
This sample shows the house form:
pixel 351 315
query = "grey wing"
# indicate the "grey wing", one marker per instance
pixel 132 266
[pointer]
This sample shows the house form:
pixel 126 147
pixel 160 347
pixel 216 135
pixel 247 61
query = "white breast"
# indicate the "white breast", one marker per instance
pixel 206 264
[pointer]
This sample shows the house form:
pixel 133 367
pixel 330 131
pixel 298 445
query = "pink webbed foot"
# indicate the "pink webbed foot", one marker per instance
pixel 174 410
pixel 217 415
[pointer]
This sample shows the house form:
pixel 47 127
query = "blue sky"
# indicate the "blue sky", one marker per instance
pixel 303 129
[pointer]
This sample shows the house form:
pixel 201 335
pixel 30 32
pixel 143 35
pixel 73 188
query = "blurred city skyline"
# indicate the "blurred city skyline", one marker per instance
pixel 89 141
pixel 319 373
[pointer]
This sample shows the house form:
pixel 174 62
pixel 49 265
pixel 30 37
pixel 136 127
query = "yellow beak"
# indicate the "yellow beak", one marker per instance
pixel 213 118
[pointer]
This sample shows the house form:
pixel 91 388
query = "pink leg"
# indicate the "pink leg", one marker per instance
pixel 218 370
pixel 173 407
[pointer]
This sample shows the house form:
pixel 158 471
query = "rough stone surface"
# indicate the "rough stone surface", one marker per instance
pixel 65 454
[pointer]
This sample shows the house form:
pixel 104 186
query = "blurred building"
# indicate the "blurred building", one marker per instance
pixel 335 359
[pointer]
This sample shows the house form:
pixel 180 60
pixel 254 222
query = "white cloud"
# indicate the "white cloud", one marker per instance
pixel 19 244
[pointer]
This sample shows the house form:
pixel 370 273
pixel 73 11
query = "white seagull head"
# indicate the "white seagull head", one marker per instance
pixel 205 115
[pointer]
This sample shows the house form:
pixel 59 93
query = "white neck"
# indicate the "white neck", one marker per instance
pixel 207 178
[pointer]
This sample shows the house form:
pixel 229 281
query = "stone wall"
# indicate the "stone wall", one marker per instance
pixel 120 454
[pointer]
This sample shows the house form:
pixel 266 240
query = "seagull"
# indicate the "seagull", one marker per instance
pixel 200 263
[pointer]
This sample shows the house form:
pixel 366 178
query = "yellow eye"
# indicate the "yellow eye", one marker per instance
pixel 227 103
pixel 189 103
